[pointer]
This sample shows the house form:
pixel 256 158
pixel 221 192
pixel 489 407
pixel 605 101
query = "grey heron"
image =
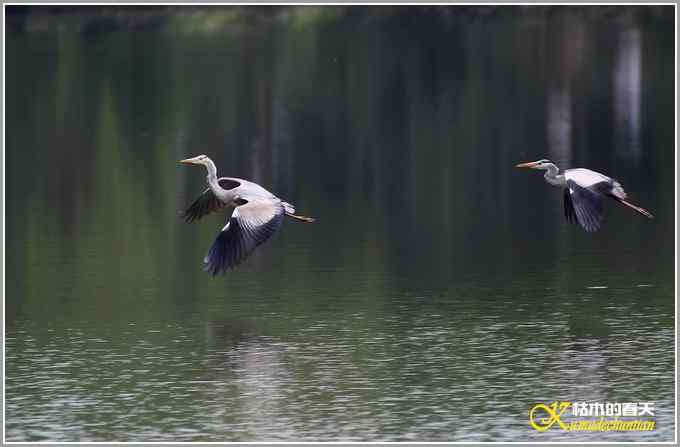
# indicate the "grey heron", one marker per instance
pixel 584 192
pixel 256 214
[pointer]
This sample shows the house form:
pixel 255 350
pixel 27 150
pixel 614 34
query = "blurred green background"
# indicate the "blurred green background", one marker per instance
pixel 439 294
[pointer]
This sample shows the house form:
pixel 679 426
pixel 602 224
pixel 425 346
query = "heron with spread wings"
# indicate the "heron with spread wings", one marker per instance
pixel 584 193
pixel 256 214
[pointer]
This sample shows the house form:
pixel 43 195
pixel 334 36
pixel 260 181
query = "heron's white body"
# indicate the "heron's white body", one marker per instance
pixel 582 177
pixel 585 177
pixel 245 190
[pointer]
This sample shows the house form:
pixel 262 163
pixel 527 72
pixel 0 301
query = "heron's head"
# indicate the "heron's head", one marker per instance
pixel 198 160
pixel 540 164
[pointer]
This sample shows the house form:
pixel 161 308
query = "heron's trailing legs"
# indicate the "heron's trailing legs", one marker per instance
pixel 290 211
pixel 640 210
pixel 302 218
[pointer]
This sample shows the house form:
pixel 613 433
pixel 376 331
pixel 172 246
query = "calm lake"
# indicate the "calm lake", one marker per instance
pixel 440 294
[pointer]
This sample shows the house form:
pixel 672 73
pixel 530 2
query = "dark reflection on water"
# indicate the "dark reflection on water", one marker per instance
pixel 439 295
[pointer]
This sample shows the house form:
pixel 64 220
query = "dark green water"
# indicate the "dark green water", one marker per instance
pixel 439 295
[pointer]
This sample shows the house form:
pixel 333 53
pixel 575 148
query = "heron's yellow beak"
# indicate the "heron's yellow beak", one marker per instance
pixel 531 165
pixel 188 161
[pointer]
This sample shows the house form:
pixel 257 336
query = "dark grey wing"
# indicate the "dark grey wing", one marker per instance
pixel 569 212
pixel 587 206
pixel 249 226
pixel 207 203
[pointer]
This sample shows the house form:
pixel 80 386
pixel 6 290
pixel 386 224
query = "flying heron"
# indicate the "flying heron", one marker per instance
pixel 584 191
pixel 256 215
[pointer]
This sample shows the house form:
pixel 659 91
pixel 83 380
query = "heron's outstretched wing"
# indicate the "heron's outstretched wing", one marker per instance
pixel 207 202
pixel 249 226
pixel 585 204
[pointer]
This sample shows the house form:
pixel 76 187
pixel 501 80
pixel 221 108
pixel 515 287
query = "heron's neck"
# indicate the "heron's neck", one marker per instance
pixel 552 176
pixel 212 177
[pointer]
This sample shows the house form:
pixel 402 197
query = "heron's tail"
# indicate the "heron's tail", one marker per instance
pixel 640 210
pixel 302 218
